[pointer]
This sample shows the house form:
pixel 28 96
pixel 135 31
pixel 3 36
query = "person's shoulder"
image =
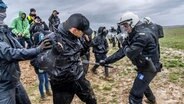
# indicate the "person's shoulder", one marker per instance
pixel 143 33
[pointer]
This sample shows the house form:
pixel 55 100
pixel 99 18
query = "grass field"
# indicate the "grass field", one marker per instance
pixel 174 38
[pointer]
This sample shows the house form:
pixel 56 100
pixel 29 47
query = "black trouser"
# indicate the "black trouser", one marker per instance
pixel 113 41
pixel 63 93
pixel 141 87
pixel 98 57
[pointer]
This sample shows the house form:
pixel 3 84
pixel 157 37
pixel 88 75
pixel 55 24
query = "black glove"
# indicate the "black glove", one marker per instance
pixel 102 62
pixel 46 44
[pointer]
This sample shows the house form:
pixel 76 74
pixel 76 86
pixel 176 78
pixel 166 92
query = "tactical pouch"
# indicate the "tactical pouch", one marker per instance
pixel 150 66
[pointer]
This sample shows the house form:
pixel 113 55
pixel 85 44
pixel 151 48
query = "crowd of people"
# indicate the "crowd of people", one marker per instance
pixel 61 52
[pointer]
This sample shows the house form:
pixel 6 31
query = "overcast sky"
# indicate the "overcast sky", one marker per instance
pixel 102 12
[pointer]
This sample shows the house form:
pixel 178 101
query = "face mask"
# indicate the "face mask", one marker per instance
pixel 33 15
pixel 2 17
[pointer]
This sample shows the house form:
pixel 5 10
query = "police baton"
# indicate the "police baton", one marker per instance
pixel 93 63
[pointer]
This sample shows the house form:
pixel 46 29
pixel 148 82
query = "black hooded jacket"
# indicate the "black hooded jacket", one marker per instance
pixel 64 64
pixel 99 43
pixel 11 52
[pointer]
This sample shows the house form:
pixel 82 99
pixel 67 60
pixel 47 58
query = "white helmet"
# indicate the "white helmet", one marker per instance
pixel 147 20
pixel 130 18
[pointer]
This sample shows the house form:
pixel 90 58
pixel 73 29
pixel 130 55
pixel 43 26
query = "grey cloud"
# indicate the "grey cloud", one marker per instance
pixel 101 12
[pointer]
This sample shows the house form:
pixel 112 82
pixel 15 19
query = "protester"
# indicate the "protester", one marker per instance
pixel 100 49
pixel 11 52
pixel 54 21
pixel 20 27
pixel 31 15
pixel 38 27
pixel 63 62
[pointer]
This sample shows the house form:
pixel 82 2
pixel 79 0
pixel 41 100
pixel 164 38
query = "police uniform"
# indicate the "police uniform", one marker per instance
pixel 141 45
pixel 157 30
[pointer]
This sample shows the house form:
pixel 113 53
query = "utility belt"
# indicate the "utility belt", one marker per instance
pixel 150 66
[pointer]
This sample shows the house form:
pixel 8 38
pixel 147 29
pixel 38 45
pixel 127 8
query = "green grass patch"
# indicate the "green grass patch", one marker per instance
pixel 174 38
pixel 174 77
pixel 172 63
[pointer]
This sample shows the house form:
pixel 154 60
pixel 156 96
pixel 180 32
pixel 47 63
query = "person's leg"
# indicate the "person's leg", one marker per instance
pixel 149 95
pixel 47 84
pixel 21 95
pixel 85 92
pixel 61 95
pixel 106 72
pixel 140 85
pixel 41 83
pixel 8 97
pixel 104 56
pixel 97 58
pixel 114 42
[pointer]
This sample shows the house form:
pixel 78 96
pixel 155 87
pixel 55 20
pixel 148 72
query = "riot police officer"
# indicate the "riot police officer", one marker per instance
pixel 157 29
pixel 141 47
pixel 100 49
pixel 63 62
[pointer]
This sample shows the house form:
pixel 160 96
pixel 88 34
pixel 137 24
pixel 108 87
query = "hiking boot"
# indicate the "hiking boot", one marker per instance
pixel 150 101
pixel 43 98
pixel 48 93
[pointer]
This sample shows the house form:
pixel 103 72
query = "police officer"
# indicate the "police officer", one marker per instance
pixel 11 52
pixel 63 62
pixel 157 29
pixel 100 49
pixel 141 47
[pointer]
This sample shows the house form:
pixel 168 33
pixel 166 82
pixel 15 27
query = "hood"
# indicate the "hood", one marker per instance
pixel 63 30
pixel 21 12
